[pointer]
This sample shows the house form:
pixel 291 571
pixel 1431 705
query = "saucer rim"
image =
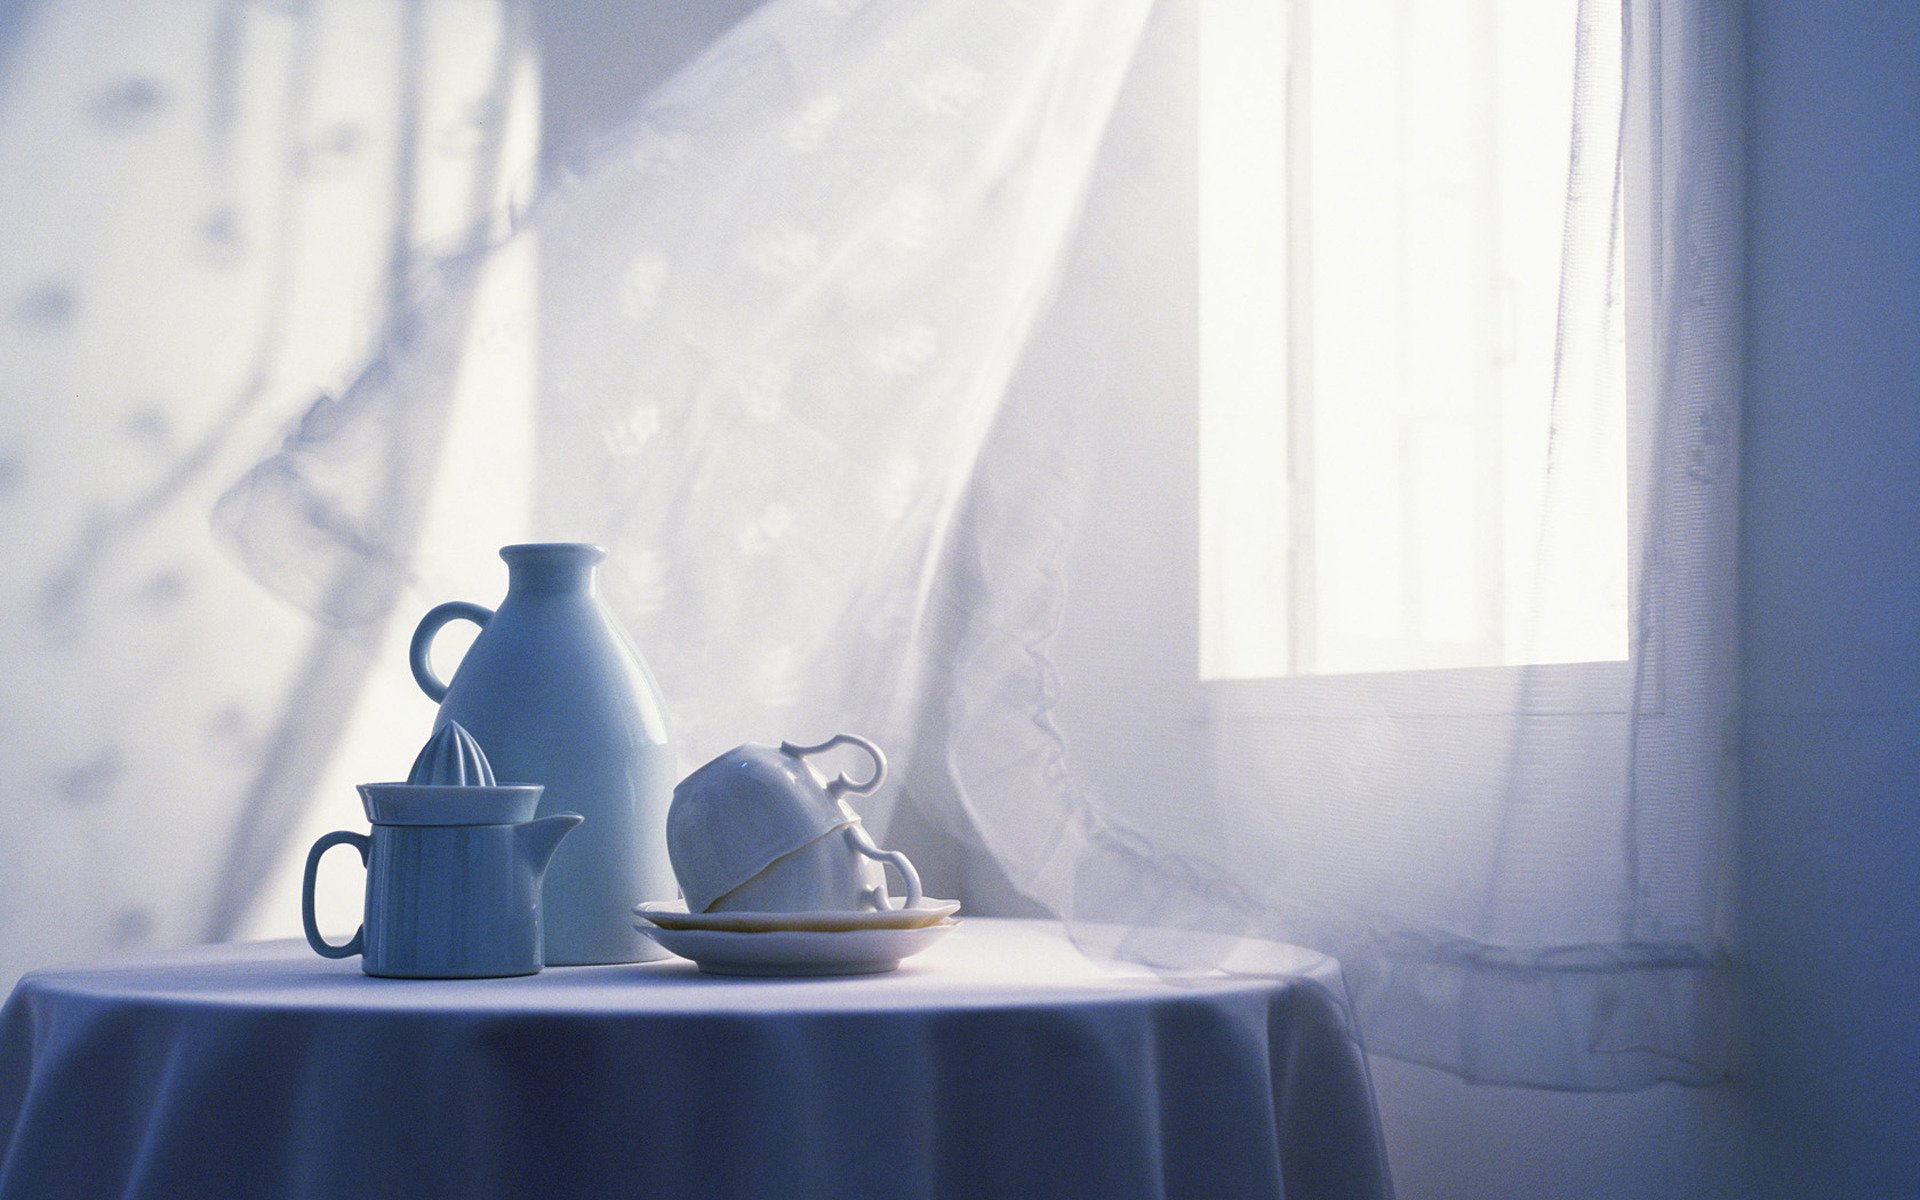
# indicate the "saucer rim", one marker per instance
pixel 799 953
pixel 859 920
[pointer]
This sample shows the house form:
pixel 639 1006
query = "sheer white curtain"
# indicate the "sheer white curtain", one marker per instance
pixel 780 313
pixel 206 209
pixel 1522 869
pixel 777 319
pixel 777 314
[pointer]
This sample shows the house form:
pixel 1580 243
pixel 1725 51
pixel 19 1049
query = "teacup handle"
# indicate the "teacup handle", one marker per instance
pixel 422 644
pixel 320 945
pixel 861 840
pixel 842 784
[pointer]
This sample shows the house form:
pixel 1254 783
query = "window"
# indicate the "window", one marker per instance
pixel 1391 476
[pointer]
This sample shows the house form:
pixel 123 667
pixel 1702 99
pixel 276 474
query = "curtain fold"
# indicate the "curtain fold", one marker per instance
pixel 803 373
pixel 777 313
pixel 205 209
pixel 1523 870
pixel 820 339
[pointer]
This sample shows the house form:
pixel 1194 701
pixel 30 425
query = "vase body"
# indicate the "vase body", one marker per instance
pixel 556 694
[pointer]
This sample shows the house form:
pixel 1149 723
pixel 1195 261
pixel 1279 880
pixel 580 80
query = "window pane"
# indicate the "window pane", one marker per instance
pixel 1401 515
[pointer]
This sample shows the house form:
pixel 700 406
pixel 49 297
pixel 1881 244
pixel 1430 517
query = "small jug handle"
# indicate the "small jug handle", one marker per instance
pixel 320 945
pixel 842 784
pixel 417 653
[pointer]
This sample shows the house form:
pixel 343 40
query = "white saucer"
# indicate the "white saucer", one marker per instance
pixel 673 914
pixel 796 952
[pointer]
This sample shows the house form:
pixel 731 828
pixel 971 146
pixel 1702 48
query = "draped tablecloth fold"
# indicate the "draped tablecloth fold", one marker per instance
pixel 999 1064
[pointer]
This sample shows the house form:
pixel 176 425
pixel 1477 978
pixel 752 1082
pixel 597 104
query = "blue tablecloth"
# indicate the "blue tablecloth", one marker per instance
pixel 999 1064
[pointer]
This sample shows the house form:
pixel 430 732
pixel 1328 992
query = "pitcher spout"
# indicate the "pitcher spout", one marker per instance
pixel 539 839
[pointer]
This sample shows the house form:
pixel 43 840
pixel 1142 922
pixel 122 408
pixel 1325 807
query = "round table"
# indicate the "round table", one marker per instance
pixel 1001 1063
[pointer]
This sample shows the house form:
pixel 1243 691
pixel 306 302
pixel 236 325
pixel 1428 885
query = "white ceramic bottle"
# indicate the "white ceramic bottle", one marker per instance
pixel 556 692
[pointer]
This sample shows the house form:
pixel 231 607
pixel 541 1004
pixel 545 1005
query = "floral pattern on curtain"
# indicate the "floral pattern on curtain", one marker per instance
pixel 207 209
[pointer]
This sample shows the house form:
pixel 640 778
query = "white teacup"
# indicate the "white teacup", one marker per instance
pixel 755 830
pixel 842 871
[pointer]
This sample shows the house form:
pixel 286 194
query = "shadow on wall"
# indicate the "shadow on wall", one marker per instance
pixel 287 162
pixel 1830 746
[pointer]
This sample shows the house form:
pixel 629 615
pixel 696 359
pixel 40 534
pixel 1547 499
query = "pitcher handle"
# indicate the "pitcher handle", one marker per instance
pixel 842 784
pixel 320 945
pixel 418 652
pixel 862 841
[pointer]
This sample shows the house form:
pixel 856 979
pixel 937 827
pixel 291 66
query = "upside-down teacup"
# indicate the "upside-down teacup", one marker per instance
pixel 755 830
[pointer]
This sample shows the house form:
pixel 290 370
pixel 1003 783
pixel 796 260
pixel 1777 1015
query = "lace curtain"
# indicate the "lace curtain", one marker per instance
pixel 206 209
pixel 777 315
pixel 800 366
pixel 1523 870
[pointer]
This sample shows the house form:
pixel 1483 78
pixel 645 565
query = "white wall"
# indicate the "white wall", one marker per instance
pixel 1447 1138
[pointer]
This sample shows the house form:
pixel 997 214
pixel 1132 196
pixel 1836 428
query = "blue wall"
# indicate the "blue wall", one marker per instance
pixel 1831 590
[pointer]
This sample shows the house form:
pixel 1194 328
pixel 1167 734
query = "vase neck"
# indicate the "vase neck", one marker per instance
pixel 551 568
